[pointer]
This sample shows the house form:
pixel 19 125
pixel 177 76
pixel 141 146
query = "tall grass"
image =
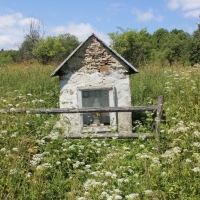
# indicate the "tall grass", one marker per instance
pixel 35 163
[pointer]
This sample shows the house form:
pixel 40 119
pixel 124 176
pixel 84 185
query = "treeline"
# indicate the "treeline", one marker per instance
pixel 163 47
pixel 140 48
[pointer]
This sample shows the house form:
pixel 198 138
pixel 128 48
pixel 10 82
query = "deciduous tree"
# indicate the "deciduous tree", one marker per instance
pixel 134 46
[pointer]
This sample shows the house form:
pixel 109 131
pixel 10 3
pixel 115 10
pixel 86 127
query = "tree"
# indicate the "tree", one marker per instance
pixel 55 49
pixel 194 47
pixel 8 56
pixel 69 43
pixel 170 46
pixel 159 38
pixel 33 36
pixel 176 47
pixel 134 46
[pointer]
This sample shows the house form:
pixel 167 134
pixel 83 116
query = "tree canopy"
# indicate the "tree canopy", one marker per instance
pixel 132 45
pixel 162 47
pixel 140 48
pixel 55 49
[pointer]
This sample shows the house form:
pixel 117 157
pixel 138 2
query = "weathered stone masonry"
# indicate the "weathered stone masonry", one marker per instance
pixel 94 65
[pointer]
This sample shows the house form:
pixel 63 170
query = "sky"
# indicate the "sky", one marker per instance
pixel 101 17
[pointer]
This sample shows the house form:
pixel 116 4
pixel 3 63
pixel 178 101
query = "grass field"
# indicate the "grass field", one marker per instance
pixel 35 163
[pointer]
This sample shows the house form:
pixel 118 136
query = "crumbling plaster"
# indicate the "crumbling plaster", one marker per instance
pixel 95 66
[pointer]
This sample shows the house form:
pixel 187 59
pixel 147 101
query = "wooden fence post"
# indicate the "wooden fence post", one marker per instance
pixel 159 116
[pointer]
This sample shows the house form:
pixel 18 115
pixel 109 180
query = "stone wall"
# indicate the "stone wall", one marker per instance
pixel 94 57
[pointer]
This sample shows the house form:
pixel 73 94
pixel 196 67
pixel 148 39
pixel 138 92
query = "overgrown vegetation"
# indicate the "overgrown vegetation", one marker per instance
pixel 140 48
pixel 36 163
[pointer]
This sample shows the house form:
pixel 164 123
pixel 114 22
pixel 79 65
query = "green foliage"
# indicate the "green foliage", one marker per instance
pixel 140 48
pixel 69 43
pixel 9 56
pixel 47 49
pixel 159 38
pixel 55 49
pixel 176 47
pixel 132 45
pixel 195 48
pixel 171 46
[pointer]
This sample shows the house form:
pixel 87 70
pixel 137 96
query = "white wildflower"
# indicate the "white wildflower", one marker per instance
pixel 196 144
pixel 136 175
pixel 142 146
pixel 81 198
pixel 46 123
pixel 117 191
pixel 40 142
pixel 126 148
pixel 114 176
pixel 196 133
pixel 148 192
pixel 89 183
pixel 193 124
pixel 3 149
pixel 87 166
pixel 28 174
pixel 3 132
pixel 47 165
pixel 15 149
pixel 132 196
pixel 13 171
pixel 117 197
pixel 58 163
pixel 104 183
pixel 12 109
pixel 98 144
pixel 77 164
pixel 121 180
pixel 196 169
pixel 43 166
pixel 104 195
pixel 53 135
pixel 108 174
pixel 14 134
pixel 188 160
pixel 163 173
pixel 171 153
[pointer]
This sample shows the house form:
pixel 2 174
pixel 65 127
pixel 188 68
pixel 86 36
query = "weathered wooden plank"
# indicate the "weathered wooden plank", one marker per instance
pixel 159 115
pixel 111 136
pixel 80 110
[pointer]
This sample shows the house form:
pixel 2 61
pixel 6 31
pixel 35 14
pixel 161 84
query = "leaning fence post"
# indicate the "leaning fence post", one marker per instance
pixel 159 116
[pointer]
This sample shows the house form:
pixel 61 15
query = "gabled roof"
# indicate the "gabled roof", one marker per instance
pixel 132 69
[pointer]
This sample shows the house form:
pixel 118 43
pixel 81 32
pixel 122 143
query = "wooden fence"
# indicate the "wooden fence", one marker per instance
pixel 158 108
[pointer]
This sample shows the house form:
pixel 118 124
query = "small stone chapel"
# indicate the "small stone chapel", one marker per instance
pixel 94 75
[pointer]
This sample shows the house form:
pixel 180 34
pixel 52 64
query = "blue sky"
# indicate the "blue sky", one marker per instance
pixel 84 17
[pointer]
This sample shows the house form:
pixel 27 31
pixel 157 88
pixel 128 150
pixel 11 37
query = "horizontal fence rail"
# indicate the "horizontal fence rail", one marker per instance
pixel 80 110
pixel 111 136
pixel 158 108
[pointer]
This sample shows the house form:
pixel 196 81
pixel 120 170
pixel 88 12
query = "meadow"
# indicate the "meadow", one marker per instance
pixel 37 163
